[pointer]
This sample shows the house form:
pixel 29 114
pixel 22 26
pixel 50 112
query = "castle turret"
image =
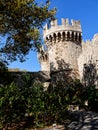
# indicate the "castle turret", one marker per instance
pixel 65 32
pixel 63 43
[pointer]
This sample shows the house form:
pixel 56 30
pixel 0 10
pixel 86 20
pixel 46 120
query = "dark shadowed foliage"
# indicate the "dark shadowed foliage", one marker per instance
pixel 90 82
pixel 90 77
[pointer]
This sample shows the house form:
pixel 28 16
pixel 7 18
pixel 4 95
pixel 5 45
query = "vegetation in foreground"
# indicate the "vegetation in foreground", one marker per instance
pixel 32 106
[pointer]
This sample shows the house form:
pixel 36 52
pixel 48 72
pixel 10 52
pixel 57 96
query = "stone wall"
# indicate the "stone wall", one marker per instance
pixel 89 54
pixel 6 78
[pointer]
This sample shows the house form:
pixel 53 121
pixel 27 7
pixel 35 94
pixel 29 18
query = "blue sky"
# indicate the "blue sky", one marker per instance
pixel 84 10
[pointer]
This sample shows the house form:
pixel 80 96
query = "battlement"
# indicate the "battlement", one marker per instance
pixel 65 26
pixel 92 42
pixel 95 39
pixel 64 22
pixel 65 32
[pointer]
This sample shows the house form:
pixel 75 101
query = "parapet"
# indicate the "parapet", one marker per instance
pixel 66 31
pixel 91 42
pixel 95 39
pixel 65 26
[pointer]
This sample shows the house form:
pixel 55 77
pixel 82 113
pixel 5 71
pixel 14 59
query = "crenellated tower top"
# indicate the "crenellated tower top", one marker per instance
pixel 65 32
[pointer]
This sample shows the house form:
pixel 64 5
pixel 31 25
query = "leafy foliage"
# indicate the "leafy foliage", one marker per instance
pixel 90 75
pixel 19 104
pixel 9 98
pixel 90 82
pixel 31 103
pixel 20 22
pixel 37 107
pixel 3 66
pixel 56 104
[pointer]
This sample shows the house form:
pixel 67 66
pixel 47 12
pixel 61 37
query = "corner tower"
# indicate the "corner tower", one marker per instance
pixel 63 45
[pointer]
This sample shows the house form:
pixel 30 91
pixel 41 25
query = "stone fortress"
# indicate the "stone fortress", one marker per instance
pixel 65 48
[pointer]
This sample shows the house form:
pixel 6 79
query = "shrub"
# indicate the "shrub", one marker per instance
pixel 31 104
pixel 17 102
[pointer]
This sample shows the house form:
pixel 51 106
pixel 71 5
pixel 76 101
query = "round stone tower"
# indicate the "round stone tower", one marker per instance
pixel 63 45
